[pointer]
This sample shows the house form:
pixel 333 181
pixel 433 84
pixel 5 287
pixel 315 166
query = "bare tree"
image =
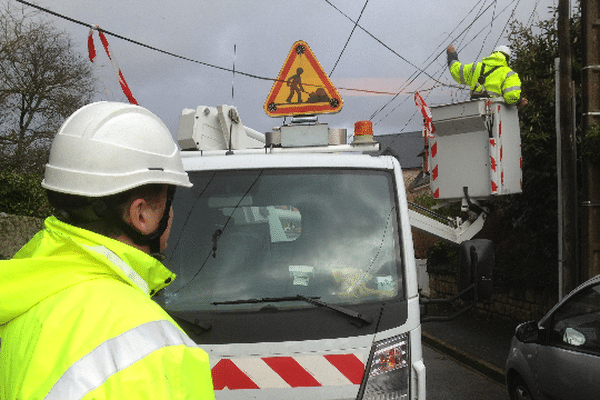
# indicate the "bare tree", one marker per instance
pixel 43 79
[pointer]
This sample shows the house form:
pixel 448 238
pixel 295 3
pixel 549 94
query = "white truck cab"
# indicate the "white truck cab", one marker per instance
pixel 295 264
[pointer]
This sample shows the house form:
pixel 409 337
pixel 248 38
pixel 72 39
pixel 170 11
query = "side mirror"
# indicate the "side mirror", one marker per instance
pixel 475 267
pixel 528 332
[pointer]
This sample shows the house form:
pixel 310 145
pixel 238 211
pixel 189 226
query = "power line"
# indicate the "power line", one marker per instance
pixel 443 70
pixel 140 43
pixel 171 54
pixel 482 29
pixel 481 13
pixel 379 41
pixel 512 14
pixel 491 28
pixel 420 71
pixel 348 41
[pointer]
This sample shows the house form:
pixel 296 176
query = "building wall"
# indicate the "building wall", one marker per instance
pixel 510 305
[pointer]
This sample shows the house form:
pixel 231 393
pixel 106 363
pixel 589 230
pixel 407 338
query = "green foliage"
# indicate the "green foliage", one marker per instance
pixel 590 145
pixel 438 206
pixel 524 227
pixel 22 194
pixel 442 258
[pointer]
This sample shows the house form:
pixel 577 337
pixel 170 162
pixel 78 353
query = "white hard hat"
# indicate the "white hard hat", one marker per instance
pixel 106 148
pixel 504 50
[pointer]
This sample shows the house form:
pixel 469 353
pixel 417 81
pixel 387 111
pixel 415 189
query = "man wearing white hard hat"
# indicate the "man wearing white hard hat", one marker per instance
pixel 76 316
pixel 492 77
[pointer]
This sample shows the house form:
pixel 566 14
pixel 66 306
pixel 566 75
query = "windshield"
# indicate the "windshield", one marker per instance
pixel 270 235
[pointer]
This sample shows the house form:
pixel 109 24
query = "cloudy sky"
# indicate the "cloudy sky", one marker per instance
pixel 397 48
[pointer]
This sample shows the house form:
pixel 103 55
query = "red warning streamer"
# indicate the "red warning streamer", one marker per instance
pixel 92 54
pixel 428 127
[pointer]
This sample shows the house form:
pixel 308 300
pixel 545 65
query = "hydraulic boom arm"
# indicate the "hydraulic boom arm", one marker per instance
pixel 455 231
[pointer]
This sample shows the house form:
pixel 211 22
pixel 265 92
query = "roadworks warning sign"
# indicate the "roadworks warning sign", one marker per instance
pixel 302 87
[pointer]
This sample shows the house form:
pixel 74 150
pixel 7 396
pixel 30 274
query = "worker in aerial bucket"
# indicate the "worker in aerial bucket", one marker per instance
pixel 76 316
pixel 492 77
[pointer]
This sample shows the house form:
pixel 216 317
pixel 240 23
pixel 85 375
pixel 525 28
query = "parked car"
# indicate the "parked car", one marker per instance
pixel 558 357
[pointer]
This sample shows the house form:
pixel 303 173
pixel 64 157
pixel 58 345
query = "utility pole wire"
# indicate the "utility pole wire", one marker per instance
pixel 348 40
pixel 171 54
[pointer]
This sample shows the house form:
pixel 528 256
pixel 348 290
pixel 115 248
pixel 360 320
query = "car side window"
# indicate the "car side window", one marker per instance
pixel 576 324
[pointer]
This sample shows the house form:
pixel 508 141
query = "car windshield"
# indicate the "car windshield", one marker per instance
pixel 244 238
pixel 577 321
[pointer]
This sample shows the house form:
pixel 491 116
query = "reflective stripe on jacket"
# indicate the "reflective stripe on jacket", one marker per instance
pixel 501 82
pixel 77 322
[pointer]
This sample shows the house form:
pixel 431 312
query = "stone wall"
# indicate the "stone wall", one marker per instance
pixel 15 231
pixel 510 305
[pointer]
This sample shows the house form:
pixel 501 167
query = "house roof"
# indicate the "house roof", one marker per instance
pixel 405 146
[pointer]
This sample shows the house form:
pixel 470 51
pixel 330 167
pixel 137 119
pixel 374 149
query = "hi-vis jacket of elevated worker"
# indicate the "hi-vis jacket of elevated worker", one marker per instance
pixel 52 348
pixel 498 78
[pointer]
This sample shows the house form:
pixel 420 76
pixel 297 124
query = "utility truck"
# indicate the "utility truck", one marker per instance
pixel 294 255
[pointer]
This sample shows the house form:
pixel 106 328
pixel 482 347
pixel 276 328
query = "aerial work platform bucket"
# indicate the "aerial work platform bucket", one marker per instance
pixel 475 151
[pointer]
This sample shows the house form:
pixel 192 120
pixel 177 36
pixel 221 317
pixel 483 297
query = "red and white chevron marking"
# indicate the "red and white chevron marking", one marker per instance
pixel 287 372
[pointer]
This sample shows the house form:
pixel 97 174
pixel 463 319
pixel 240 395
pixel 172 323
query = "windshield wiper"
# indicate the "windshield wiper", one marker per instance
pixel 312 300
pixel 263 300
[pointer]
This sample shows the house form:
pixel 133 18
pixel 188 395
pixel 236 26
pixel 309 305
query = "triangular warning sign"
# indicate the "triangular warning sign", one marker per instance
pixel 302 87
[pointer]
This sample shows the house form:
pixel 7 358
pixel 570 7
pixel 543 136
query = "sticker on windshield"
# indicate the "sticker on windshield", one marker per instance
pixel 385 283
pixel 301 274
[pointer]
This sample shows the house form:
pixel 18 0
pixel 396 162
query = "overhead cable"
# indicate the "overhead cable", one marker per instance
pixel 171 54
pixel 350 36
pixel 419 71
pixel 379 41
pixel 481 13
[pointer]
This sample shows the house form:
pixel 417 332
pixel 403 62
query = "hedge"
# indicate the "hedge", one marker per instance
pixel 22 194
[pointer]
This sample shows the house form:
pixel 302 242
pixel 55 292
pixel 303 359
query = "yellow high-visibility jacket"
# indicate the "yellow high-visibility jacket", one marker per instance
pixel 503 81
pixel 77 322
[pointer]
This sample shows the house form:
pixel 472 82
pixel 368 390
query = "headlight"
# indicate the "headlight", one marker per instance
pixel 388 374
